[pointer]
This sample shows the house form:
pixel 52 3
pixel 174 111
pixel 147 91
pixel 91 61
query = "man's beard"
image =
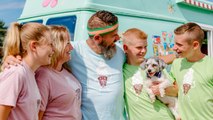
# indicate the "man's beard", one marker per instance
pixel 108 52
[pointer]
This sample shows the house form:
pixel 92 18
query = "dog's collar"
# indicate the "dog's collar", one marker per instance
pixel 157 74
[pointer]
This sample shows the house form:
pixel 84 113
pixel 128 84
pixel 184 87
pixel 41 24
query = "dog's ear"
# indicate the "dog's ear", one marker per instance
pixel 143 64
pixel 162 64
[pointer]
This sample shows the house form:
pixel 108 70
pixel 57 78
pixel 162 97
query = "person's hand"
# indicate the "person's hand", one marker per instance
pixel 11 60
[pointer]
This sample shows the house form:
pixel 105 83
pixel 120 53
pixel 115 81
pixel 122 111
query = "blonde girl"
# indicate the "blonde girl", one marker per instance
pixel 19 94
pixel 60 90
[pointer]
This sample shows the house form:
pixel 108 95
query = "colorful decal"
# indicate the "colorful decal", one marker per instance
pixel 52 3
pixel 163 46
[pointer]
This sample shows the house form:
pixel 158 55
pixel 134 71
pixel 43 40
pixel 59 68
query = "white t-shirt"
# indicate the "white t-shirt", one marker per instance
pixel 100 101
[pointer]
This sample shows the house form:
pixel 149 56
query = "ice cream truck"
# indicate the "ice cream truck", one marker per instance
pixel 158 18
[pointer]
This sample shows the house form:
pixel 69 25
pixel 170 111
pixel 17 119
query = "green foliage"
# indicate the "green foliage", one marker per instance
pixel 2 24
pixel 2 31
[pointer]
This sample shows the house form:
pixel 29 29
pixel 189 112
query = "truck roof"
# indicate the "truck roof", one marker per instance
pixel 35 8
pixel 170 10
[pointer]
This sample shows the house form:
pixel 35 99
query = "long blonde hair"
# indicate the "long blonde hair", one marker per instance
pixel 60 35
pixel 18 37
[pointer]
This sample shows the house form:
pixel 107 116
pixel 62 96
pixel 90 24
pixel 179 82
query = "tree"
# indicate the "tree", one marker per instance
pixel 3 30
pixel 2 24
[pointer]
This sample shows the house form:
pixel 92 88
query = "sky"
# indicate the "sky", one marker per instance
pixel 10 10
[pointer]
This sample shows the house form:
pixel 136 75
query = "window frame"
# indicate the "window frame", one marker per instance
pixel 209 30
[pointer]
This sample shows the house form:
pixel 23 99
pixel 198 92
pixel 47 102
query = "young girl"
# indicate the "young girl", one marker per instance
pixel 60 90
pixel 19 94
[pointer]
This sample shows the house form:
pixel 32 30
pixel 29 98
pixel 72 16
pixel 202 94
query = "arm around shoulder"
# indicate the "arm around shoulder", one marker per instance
pixel 168 59
pixel 10 60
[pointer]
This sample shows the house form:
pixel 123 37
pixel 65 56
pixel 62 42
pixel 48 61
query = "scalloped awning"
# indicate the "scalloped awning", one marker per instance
pixel 201 4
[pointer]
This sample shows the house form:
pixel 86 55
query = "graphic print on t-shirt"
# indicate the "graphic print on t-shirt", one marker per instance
pixel 188 81
pixel 102 72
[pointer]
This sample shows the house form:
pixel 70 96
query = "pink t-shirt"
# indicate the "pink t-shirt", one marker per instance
pixel 61 94
pixel 18 88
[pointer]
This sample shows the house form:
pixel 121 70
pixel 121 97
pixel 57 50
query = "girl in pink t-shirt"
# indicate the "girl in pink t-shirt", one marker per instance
pixel 59 89
pixel 19 94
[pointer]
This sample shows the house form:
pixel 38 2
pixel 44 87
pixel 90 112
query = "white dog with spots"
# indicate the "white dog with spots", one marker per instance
pixel 154 68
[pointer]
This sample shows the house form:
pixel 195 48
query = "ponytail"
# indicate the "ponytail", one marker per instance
pixel 18 37
pixel 12 42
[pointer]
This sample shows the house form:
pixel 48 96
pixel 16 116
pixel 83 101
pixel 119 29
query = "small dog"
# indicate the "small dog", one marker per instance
pixel 155 75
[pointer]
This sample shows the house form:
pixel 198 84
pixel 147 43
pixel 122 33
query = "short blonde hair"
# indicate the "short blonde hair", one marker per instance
pixel 137 33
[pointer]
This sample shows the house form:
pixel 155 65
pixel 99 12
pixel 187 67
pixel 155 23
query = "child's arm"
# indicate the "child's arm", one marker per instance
pixel 168 59
pixel 40 115
pixel 4 112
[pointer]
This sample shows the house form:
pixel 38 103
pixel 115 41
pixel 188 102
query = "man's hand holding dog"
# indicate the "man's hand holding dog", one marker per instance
pixel 170 91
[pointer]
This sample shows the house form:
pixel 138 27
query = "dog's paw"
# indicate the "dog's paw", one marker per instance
pixel 138 88
pixel 162 92
pixel 178 118
pixel 152 101
pixel 152 97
